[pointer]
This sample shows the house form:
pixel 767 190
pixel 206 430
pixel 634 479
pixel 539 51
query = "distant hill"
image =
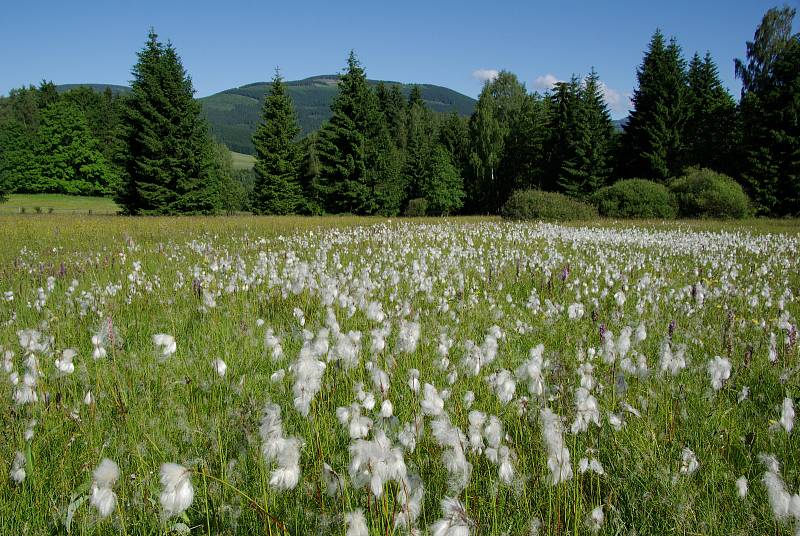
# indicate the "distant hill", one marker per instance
pixel 117 90
pixel 234 113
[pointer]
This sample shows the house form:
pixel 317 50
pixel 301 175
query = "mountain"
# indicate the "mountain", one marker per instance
pixel 116 90
pixel 234 113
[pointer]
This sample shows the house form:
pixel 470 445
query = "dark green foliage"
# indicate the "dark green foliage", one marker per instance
pixel 359 167
pixel 442 186
pixel 419 144
pixel 169 157
pixel 770 109
pixel 18 165
pixel 233 192
pixel 393 106
pixel 417 207
pixel 712 127
pixel 234 113
pixel 278 187
pixel 68 158
pixel 487 138
pixel 540 205
pixel 636 198
pixel 652 143
pixel 703 193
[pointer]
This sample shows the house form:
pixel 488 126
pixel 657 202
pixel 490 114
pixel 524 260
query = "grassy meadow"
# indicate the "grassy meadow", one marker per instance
pixel 57 204
pixel 362 376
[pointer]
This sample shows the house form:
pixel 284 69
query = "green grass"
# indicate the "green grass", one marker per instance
pixel 458 276
pixel 243 161
pixel 57 203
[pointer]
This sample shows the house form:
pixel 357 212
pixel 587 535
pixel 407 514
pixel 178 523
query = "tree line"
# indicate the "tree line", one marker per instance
pixel 381 153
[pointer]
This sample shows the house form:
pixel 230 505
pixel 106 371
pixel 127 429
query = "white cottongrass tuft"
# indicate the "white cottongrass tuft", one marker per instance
pixel 719 369
pixel 689 463
pixel 787 415
pixel 219 367
pixel 586 411
pixel 285 452
pixel 165 344
pixel 408 337
pixel 356 523
pixel 178 492
pixel 595 520
pixel 88 399
pixel 64 364
pixel 455 521
pixel 741 487
pixel 18 468
pixel 591 465
pixel 532 371
pixel 558 459
pixel 374 463
pixel 103 497
pixel 432 403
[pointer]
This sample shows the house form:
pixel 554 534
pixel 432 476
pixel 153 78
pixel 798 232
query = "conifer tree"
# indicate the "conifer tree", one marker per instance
pixel 344 184
pixel 169 156
pixel 278 188
pixel 359 163
pixel 585 142
pixel 711 127
pixel 421 136
pixel 770 107
pixel 653 137
pixel 393 106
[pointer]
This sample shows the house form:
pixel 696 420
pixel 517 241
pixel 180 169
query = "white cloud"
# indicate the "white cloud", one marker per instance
pixel 618 103
pixel 485 74
pixel 546 81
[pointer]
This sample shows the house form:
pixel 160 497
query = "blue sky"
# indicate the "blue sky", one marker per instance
pixel 454 44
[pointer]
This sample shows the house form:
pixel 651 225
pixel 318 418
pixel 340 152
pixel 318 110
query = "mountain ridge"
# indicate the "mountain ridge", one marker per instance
pixel 234 113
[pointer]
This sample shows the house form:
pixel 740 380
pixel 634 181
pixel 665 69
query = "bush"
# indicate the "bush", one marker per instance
pixel 417 207
pixel 636 198
pixel 703 193
pixel 539 205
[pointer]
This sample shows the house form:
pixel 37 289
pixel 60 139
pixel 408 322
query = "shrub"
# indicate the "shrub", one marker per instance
pixel 539 205
pixel 703 193
pixel 417 207
pixel 636 198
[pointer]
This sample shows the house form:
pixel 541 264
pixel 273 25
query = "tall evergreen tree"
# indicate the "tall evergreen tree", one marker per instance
pixel 581 132
pixel 278 188
pixel 169 155
pixel 393 106
pixel 358 164
pixel 770 108
pixel 711 127
pixel 419 144
pixel 653 138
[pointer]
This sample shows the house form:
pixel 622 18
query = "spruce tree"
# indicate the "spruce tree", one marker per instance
pixel 358 164
pixel 711 126
pixel 770 107
pixel 581 134
pixel 278 188
pixel 168 156
pixel 653 138
pixel 393 106
pixel 421 136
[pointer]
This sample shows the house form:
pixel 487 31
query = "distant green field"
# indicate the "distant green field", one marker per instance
pixel 243 161
pixel 57 203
